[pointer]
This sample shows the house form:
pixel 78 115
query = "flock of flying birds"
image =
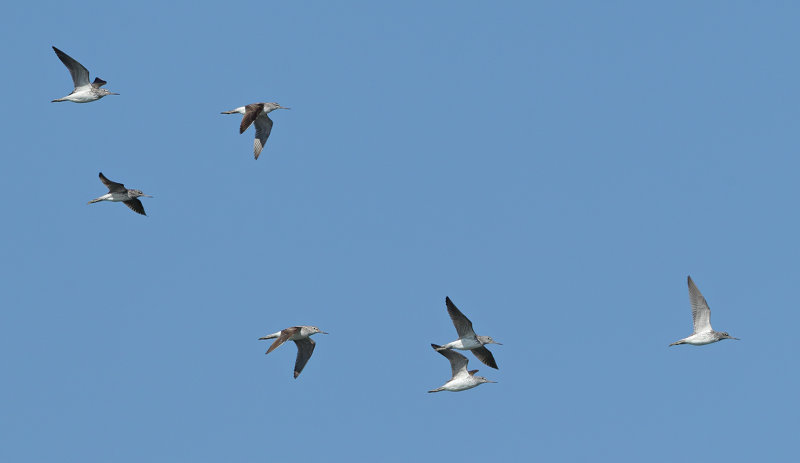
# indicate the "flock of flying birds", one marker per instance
pixel 462 379
pixel 467 340
pixel 86 92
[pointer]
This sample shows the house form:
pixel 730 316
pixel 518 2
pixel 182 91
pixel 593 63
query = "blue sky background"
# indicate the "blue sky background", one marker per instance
pixel 556 168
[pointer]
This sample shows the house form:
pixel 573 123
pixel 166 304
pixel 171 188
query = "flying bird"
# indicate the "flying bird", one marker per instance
pixel 301 335
pixel 701 317
pixel 256 112
pixel 117 192
pixel 84 91
pixel 467 339
pixel 461 379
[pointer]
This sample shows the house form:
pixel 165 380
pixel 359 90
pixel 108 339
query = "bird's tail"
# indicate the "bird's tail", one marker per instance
pixel 438 389
pixel 677 342
pixel 270 336
pixel 96 200
pixel 58 100
pixel 229 112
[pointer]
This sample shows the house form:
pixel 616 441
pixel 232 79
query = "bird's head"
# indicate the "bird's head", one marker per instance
pixel 103 92
pixel 484 380
pixel 137 193
pixel 268 107
pixel 488 340
pixel 315 330
pixel 727 336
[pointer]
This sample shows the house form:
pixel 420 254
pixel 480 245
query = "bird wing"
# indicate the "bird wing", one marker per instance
pixel 135 205
pixel 251 112
pixel 98 82
pixel 485 356
pixel 305 347
pixel 458 363
pixel 701 313
pixel 80 75
pixel 263 128
pixel 285 335
pixel 113 187
pixel 460 321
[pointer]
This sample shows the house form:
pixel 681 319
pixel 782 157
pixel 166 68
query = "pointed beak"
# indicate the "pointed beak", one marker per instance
pixel 491 381
pixel 498 343
pixel 112 93
pixel 148 196
pixel 283 107
pixel 731 337
pixel 323 332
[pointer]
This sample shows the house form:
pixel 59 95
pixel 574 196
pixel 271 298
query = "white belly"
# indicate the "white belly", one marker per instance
pixel 700 339
pixel 463 344
pixel 83 99
pixel 460 384
pixel 82 95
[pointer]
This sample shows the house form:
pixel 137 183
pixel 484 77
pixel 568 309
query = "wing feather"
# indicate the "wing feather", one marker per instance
pixel 285 335
pixel 251 112
pixel 113 187
pixel 458 363
pixel 485 355
pixel 135 205
pixel 460 321
pixel 305 347
pixel 263 129
pixel 80 75
pixel 701 312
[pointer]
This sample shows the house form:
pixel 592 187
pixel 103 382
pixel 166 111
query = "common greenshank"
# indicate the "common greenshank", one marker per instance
pixel 84 91
pixel 301 335
pixel 462 379
pixel 117 192
pixel 467 339
pixel 257 112
pixel 701 317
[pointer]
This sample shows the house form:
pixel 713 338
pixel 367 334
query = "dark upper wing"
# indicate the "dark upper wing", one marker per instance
pixel 305 347
pixel 135 205
pixel 460 321
pixel 113 187
pixel 98 82
pixel 285 335
pixel 251 112
pixel 263 128
pixel 80 75
pixel 485 356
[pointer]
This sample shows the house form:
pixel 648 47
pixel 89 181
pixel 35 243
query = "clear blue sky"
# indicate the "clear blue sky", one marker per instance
pixel 556 168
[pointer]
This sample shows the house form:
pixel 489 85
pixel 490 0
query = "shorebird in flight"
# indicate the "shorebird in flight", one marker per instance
pixel 84 91
pixel 467 339
pixel 117 192
pixel 701 317
pixel 301 335
pixel 462 379
pixel 257 112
